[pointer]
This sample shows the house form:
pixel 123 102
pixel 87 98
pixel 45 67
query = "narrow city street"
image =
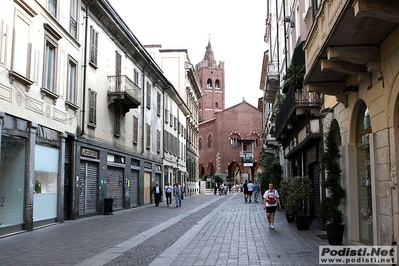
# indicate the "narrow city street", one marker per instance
pixel 206 230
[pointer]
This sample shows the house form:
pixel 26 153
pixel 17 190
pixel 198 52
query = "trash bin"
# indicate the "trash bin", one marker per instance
pixel 108 202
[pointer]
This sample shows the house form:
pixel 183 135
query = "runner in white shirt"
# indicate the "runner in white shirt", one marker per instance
pixel 271 200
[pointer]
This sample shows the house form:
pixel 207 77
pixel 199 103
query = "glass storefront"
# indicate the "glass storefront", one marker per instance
pixel 12 176
pixel 45 188
pixel 364 176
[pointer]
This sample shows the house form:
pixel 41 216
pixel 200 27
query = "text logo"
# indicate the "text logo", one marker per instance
pixel 357 254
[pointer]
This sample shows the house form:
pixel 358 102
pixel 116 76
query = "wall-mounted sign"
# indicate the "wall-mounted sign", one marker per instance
pixel 89 153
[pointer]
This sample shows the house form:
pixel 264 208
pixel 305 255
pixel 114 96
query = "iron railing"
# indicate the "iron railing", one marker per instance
pixel 295 99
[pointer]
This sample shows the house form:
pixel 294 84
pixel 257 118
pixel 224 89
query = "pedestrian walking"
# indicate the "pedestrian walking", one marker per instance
pixel 168 193
pixel 250 186
pixel 221 188
pixel 256 191
pixel 157 191
pixel 245 187
pixel 215 189
pixel 177 192
pixel 271 200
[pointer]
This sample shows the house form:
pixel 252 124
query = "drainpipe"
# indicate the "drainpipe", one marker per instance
pixel 285 37
pixel 143 116
pixel 277 40
pixel 85 66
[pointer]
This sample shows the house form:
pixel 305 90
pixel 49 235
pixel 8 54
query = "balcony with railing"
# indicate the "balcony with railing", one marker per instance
pixel 333 54
pixel 124 92
pixel 247 156
pixel 296 103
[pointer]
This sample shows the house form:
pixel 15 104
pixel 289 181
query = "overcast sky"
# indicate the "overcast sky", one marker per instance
pixel 235 29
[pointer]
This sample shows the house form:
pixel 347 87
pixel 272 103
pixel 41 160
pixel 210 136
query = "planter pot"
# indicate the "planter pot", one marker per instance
pixel 303 222
pixel 290 218
pixel 335 234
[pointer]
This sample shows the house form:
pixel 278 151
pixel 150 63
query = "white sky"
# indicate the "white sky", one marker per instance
pixel 234 27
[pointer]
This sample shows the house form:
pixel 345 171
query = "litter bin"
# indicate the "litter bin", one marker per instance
pixel 108 202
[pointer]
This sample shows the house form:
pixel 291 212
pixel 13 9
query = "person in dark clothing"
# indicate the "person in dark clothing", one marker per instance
pixel 157 191
pixel 245 186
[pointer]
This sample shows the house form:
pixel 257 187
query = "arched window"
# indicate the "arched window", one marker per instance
pixel 234 142
pixel 209 83
pixel 210 141
pixel 363 131
pixel 216 105
pixel 217 84
pixel 200 144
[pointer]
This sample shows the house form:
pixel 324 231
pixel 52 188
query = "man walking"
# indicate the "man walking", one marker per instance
pixel 250 190
pixel 177 192
pixel 271 200
pixel 168 192
pixel 157 191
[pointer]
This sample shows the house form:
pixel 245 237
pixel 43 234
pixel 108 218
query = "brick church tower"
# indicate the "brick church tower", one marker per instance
pixel 211 76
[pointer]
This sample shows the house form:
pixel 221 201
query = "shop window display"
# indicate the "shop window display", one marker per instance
pixel 12 181
pixel 46 174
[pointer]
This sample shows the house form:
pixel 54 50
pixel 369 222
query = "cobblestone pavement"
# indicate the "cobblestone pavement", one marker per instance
pixel 206 230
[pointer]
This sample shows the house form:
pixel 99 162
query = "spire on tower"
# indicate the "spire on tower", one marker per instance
pixel 209 53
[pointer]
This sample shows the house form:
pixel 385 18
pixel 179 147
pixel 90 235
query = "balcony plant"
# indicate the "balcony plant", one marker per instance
pixel 330 213
pixel 298 201
pixel 294 77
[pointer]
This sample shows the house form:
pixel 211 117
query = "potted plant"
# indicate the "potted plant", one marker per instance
pixel 330 212
pixel 298 201
pixel 294 77
pixel 284 191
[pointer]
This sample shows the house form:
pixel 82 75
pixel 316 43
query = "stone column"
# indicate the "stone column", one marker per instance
pixel 29 177
pixel 61 179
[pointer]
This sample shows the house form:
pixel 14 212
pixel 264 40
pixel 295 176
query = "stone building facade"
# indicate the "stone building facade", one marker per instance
pixel 230 144
pixel 229 139
pixel 81 109
pixel 184 94
pixel 351 51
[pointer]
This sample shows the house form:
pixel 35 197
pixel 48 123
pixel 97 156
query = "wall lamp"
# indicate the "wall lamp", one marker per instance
pixel 349 89
pixel 289 20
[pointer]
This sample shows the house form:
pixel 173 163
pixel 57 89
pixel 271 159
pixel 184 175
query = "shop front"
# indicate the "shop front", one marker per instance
pixel 12 181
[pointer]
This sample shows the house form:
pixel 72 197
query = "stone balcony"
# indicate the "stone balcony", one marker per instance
pixel 344 41
pixel 124 92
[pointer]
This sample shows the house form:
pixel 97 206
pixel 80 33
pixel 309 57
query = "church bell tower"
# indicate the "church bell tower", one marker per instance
pixel 211 76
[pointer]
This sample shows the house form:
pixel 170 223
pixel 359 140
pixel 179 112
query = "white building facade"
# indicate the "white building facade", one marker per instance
pixel 180 72
pixel 81 108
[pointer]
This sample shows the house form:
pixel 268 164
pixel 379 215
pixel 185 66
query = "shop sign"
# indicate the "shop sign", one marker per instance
pixel 89 153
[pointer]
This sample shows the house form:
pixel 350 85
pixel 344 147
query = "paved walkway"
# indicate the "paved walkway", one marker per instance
pixel 206 230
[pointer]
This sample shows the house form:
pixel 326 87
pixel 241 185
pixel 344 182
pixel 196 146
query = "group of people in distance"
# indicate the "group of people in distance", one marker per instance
pixel 176 190
pixel 271 199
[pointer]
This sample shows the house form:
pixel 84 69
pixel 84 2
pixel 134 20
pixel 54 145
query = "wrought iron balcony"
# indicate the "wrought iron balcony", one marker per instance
pixel 295 104
pixel 124 92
